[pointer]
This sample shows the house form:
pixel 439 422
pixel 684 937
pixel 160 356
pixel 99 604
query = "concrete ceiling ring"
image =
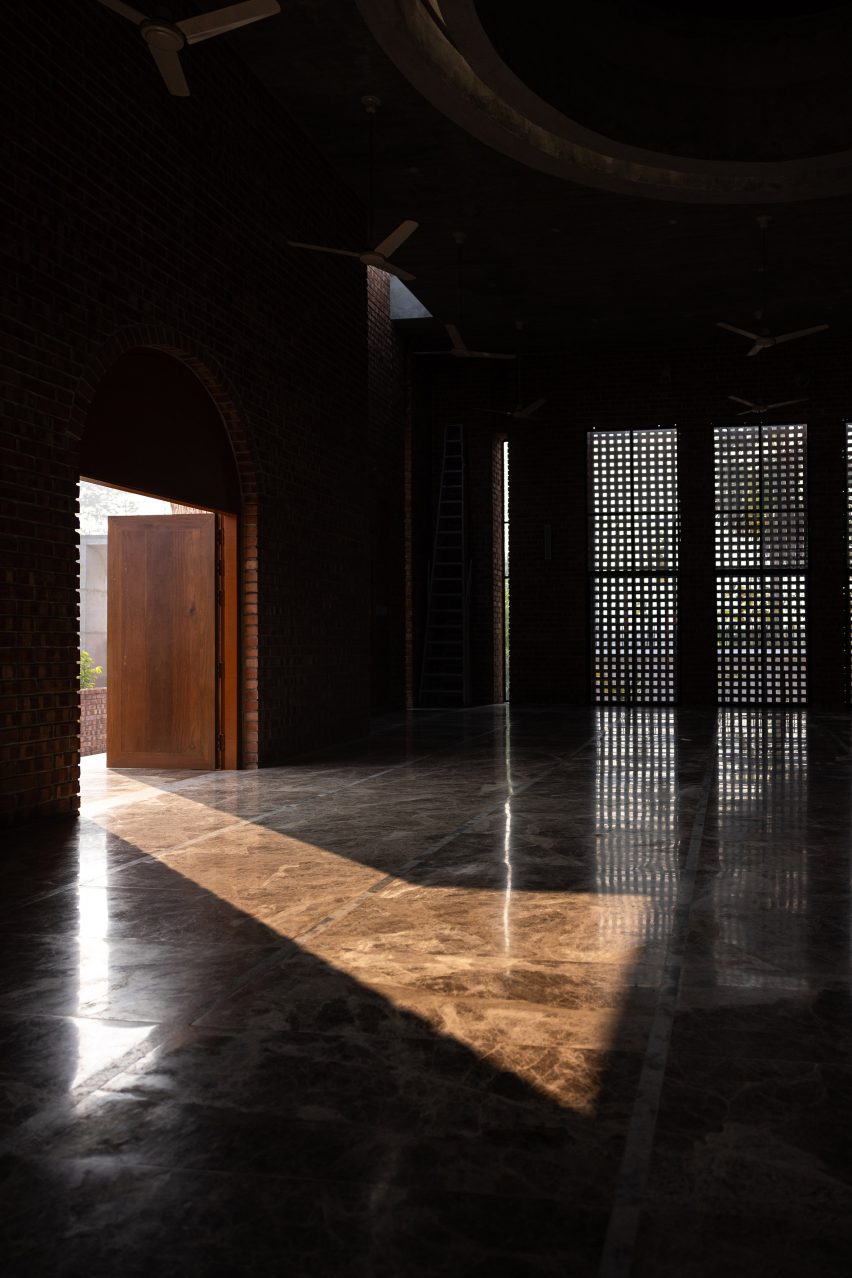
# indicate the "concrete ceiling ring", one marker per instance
pixel 451 61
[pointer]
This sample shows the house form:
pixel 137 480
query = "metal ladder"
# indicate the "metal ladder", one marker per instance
pixel 444 674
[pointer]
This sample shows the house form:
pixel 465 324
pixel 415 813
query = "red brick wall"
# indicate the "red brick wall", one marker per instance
pixel 93 719
pixel 388 418
pixel 137 218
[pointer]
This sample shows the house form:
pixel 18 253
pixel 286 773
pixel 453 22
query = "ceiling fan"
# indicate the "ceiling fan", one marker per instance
pixel 461 350
pixel 459 347
pixel 764 408
pixel 381 254
pixel 763 341
pixel 165 39
pixel 378 256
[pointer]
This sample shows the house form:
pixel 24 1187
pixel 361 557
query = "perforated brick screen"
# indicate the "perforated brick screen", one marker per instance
pixel 633 547
pixel 761 555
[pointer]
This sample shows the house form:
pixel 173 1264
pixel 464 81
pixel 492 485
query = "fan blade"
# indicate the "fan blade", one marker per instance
pixel 322 248
pixel 742 332
pixel 801 332
pixel 126 10
pixel 391 242
pixel 756 349
pixel 227 19
pixel 785 403
pixel 455 337
pixel 487 355
pixel 390 269
pixel 530 408
pixel 739 400
pixel 168 64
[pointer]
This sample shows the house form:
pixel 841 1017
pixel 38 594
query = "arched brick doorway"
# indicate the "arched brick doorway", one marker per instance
pixel 154 424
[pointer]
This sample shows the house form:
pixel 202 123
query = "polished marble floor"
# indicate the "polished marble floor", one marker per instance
pixel 556 992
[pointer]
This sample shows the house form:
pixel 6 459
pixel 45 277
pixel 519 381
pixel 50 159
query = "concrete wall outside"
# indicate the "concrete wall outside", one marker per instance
pixel 93 601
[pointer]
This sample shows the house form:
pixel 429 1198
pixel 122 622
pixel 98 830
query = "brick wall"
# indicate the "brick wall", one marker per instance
pixel 388 418
pixel 135 218
pixel 550 612
pixel 93 720
pixel 550 606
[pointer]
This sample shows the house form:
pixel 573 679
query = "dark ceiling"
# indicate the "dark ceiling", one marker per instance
pixel 581 267
pixel 692 81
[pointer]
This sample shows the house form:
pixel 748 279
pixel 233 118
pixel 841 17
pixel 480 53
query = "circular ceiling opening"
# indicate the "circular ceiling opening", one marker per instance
pixel 725 82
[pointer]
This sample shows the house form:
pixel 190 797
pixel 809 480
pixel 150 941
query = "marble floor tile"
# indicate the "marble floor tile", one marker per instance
pixel 429 1116
pixel 438 1002
pixel 607 1003
pixel 545 983
pixel 117 980
pixel 697 1244
pixel 286 889
pixel 162 908
pixel 163 822
pixel 431 1085
pixel 103 1217
pixel 750 1134
pixel 563 927
pixel 784 942
pixel 494 862
pixel 56 857
pixel 779 1024
pixel 545 1162
pixel 547 1047
pixel 44 1060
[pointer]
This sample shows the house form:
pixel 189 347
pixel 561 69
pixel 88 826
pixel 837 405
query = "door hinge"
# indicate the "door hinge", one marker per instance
pixel 220 669
pixel 219 598
pixel 220 743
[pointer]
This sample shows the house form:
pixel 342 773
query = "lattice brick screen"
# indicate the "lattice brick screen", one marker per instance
pixel 761 542
pixel 633 547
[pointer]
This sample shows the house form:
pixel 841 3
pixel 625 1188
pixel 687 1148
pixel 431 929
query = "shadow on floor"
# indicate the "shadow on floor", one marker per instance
pixel 187 1091
pixel 291 1118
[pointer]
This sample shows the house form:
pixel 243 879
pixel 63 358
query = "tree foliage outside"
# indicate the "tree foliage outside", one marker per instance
pixel 88 670
pixel 97 503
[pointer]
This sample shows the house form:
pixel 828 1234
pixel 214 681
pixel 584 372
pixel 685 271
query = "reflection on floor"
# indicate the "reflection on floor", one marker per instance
pixel 555 992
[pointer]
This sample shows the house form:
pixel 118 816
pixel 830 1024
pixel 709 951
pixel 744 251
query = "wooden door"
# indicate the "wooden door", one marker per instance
pixel 161 641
